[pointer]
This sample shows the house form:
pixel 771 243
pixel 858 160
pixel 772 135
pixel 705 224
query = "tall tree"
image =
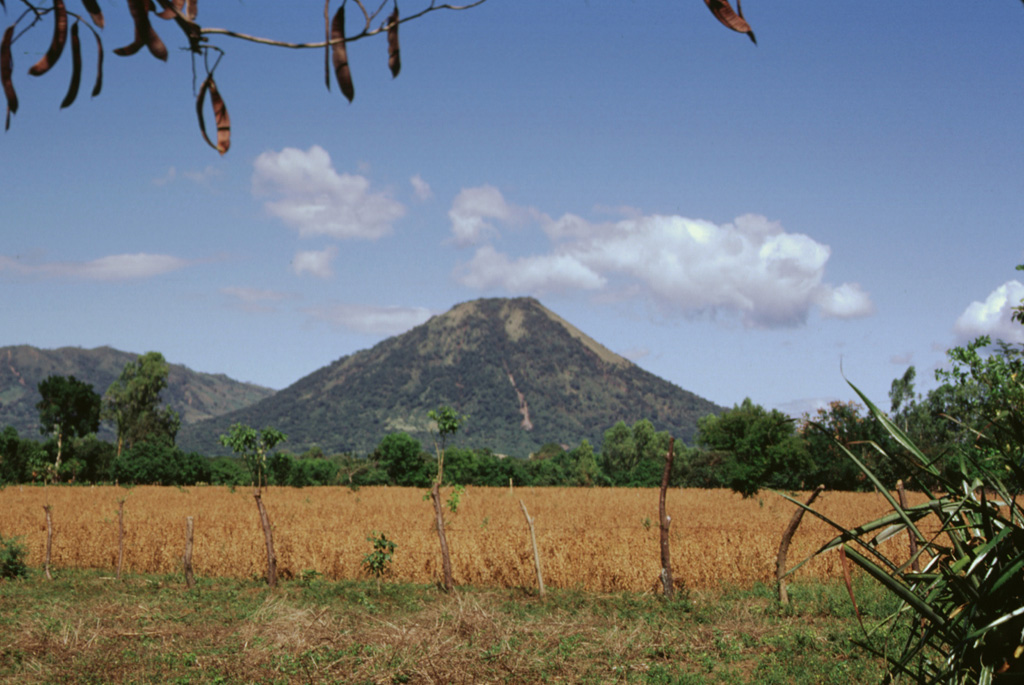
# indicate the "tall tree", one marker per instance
pixel 403 459
pixel 133 403
pixel 634 456
pixel 761 448
pixel 68 408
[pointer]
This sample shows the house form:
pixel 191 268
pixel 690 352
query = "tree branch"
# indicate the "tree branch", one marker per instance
pixel 365 33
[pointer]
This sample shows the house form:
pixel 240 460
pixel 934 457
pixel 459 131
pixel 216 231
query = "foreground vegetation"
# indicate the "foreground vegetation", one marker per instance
pixel 87 627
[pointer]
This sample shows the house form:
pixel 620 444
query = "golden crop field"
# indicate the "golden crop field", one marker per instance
pixel 592 539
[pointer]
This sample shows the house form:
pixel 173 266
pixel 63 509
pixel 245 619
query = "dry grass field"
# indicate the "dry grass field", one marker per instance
pixel 590 539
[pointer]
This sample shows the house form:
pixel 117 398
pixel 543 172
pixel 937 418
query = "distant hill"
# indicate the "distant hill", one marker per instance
pixel 195 396
pixel 523 375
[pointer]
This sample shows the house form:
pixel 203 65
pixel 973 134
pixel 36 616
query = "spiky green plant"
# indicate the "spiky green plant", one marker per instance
pixel 962 592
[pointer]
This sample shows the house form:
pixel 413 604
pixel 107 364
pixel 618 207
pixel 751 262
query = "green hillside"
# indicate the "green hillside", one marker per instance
pixel 195 396
pixel 523 375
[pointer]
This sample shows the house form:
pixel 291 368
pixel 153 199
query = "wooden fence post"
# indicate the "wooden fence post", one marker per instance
pixel 666 558
pixel 536 552
pixel 49 538
pixel 446 560
pixel 190 580
pixel 787 537
pixel 120 536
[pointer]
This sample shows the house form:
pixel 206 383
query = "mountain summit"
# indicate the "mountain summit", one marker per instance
pixel 522 374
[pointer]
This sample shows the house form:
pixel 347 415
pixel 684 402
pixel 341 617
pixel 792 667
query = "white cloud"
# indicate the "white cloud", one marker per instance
pixel 255 299
pixel 315 262
pixel 993 317
pixel 847 301
pixel 489 269
pixel 369 319
pixel 421 188
pixel 122 267
pixel 751 268
pixel 474 211
pixel 314 199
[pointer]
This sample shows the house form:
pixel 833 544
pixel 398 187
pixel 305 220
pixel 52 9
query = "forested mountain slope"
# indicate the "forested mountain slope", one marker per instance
pixel 523 376
pixel 194 395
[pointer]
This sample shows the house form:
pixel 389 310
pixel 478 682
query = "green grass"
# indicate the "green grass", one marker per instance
pixel 86 627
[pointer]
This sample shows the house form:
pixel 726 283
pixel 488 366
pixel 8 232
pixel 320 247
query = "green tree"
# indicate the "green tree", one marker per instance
pixel 68 408
pixel 580 465
pixel 133 403
pixel 404 460
pixel 842 427
pixel 21 461
pixel 254 447
pixel 760 448
pixel 983 395
pixel 634 456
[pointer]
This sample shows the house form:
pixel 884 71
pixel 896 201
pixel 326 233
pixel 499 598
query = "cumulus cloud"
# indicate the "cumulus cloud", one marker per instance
pixel 315 262
pixel 121 267
pixel 993 317
pixel 420 188
pixel 314 199
pixel 489 269
pixel 370 320
pixel 254 299
pixel 475 211
pixel 750 268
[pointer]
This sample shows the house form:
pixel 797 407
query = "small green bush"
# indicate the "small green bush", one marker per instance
pixel 378 561
pixel 12 558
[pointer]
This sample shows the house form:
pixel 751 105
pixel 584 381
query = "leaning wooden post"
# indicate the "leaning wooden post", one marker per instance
pixel 787 537
pixel 268 538
pixel 665 520
pixel 120 536
pixel 190 580
pixel 446 560
pixel 536 553
pixel 49 538
pixel 913 540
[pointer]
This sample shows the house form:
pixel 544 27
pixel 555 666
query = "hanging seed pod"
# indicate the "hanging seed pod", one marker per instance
pixel 394 52
pixel 60 37
pixel 340 54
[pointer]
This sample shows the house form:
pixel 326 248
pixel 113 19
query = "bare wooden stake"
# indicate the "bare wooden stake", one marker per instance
pixel 49 538
pixel 446 561
pixel 536 552
pixel 120 537
pixel 787 537
pixel 190 580
pixel 268 539
pixel 665 520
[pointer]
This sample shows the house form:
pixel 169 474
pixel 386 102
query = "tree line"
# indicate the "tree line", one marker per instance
pixel 744 448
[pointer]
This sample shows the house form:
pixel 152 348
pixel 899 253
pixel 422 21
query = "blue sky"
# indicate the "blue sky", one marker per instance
pixel 845 197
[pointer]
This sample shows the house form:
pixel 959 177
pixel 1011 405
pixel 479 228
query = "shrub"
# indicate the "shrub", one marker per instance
pixel 12 558
pixel 378 561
